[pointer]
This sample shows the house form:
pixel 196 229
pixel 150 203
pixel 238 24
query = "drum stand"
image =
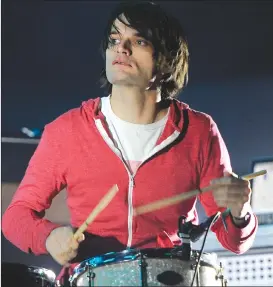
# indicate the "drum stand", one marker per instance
pixel 184 233
pixel 184 229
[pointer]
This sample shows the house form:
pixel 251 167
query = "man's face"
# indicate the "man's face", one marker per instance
pixel 129 58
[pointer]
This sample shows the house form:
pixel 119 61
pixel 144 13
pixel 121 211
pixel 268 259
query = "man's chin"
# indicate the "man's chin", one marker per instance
pixel 123 82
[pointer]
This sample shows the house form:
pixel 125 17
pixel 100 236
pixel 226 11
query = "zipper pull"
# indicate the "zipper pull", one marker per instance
pixel 132 181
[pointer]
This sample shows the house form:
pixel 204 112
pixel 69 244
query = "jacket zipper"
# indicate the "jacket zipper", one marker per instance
pixel 110 143
pixel 132 184
pixel 117 152
pixel 130 211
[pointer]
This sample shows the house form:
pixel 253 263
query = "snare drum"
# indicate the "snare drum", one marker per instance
pixel 15 274
pixel 147 267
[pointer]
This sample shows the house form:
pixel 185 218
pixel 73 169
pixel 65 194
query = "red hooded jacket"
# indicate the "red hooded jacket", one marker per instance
pixel 76 151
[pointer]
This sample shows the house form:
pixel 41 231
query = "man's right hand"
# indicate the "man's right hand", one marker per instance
pixel 62 246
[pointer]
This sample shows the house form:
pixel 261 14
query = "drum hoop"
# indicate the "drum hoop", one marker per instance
pixel 43 272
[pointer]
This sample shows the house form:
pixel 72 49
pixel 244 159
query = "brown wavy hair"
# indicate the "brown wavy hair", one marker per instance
pixel 167 36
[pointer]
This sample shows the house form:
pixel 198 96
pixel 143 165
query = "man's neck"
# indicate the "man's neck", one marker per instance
pixel 135 106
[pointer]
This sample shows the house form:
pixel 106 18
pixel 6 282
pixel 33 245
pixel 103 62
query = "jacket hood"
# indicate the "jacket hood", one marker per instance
pixel 175 118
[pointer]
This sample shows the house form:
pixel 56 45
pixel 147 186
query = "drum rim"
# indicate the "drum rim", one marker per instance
pixel 44 274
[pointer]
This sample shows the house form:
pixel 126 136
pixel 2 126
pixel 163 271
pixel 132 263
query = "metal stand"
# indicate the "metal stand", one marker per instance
pixel 184 234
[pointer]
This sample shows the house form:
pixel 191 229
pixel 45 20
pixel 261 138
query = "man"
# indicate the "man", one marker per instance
pixel 140 138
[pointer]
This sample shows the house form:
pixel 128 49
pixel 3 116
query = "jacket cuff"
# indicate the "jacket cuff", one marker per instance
pixel 241 233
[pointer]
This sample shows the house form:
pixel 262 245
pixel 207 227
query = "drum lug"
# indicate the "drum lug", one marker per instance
pixel 195 259
pixel 220 275
pixel 142 263
pixel 143 270
pixel 193 266
pixel 91 276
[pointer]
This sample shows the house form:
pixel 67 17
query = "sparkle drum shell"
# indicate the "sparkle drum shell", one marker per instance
pixel 147 267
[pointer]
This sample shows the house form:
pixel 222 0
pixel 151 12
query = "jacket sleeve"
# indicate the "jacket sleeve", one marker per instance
pixel 216 160
pixel 23 223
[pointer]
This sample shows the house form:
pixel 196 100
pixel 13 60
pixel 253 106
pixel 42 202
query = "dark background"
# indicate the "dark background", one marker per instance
pixel 51 63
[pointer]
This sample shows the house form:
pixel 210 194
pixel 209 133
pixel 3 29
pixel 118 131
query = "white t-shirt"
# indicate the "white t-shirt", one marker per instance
pixel 135 141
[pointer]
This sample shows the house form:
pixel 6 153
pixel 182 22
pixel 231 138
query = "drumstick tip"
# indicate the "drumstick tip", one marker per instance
pixel 254 174
pixel 264 171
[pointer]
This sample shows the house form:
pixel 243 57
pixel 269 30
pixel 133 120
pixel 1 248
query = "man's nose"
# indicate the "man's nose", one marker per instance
pixel 124 47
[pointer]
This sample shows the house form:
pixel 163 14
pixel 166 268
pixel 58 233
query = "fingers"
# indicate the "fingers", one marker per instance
pixel 80 238
pixel 71 251
pixel 230 179
pixel 71 248
pixel 73 244
pixel 231 201
pixel 65 257
pixel 62 245
pixel 230 191
pixel 227 174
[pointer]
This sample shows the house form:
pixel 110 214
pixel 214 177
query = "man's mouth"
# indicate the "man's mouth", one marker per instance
pixel 116 62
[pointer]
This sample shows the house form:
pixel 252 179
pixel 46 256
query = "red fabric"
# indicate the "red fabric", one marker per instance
pixel 73 153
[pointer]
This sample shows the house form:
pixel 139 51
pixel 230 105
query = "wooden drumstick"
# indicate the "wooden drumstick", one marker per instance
pixel 100 206
pixel 181 197
pixel 253 175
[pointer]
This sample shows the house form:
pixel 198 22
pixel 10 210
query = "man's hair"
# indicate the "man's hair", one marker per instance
pixel 167 36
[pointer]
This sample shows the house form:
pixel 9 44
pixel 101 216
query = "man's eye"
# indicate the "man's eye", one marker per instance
pixel 142 42
pixel 139 42
pixel 113 41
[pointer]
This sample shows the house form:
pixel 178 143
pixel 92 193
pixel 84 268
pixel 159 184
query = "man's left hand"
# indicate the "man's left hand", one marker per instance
pixel 233 193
